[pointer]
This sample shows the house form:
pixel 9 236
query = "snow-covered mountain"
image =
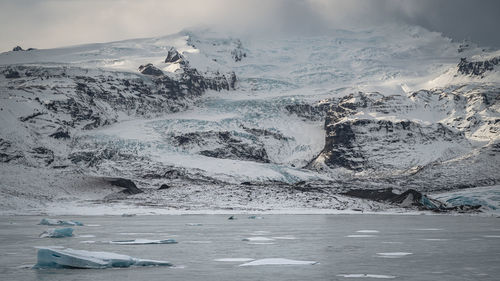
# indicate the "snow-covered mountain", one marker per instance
pixel 226 122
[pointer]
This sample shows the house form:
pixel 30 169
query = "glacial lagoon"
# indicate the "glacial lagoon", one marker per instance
pixel 275 247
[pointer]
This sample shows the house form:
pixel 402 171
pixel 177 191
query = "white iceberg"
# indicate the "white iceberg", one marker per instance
pixel 57 232
pixel 278 261
pixel 394 254
pixel 60 222
pixel 378 276
pixel 52 257
pixel 257 239
pixel 142 242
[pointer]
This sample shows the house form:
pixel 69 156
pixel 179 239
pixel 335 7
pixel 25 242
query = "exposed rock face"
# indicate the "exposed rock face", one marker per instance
pixel 72 99
pixel 150 69
pixel 417 136
pixel 10 73
pixel 174 56
pixel 477 68
pixel 239 52
pixel 17 49
pixel 222 145
pixel 309 112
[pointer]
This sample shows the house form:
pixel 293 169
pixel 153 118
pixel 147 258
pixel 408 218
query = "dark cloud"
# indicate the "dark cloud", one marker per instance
pixel 51 23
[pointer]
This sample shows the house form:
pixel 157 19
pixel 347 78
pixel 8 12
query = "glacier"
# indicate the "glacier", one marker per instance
pixel 249 124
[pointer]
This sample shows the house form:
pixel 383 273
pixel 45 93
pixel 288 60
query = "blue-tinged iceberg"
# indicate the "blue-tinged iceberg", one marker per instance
pixel 60 222
pixel 143 242
pixel 53 257
pixel 57 232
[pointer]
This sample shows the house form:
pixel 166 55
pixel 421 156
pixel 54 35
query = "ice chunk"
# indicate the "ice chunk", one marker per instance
pixel 255 217
pixel 278 261
pixel 367 231
pixel 86 236
pixel 284 237
pixel 50 257
pixel 360 236
pixel 231 218
pixel 257 239
pixel 128 215
pixel 57 232
pixel 194 224
pixel 142 242
pixel 234 259
pixel 379 276
pixel 394 254
pixel 60 222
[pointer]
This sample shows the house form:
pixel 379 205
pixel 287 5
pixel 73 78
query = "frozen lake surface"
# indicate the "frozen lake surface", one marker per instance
pixel 211 247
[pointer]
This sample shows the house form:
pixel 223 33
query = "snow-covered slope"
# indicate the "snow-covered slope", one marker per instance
pixel 395 105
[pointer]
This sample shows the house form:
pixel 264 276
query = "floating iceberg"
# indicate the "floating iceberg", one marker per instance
pixel 52 257
pixel 278 261
pixel 142 242
pixel 255 217
pixel 257 239
pixel 128 215
pixel 57 232
pixel 393 254
pixel 378 276
pixel 60 222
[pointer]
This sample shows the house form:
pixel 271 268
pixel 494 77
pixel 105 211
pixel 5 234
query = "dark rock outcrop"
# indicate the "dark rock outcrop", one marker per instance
pixel 150 69
pixel 174 56
pixel 477 68
pixel 17 49
pixel 408 199
pixel 10 74
pixel 128 185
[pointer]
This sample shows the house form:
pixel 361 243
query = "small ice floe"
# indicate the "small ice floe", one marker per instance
pixel 57 232
pixel 136 233
pixel 87 242
pixel 60 222
pixel 128 215
pixel 260 232
pixel 393 255
pixel 367 231
pixel 255 217
pixel 235 259
pixel 142 242
pixel 194 224
pixel 93 225
pixel 278 261
pixel 429 229
pixel 52 257
pixel 491 236
pixel 284 237
pixel 434 239
pixel 261 243
pixel 361 236
pixel 231 218
pixel 378 276
pixel 86 236
pixel 257 239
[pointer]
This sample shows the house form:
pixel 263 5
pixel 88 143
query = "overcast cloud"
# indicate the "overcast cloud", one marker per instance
pixel 52 23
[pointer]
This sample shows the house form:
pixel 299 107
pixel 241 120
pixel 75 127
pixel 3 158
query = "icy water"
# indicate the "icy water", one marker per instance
pixel 347 247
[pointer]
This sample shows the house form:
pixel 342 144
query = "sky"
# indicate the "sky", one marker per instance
pixel 56 23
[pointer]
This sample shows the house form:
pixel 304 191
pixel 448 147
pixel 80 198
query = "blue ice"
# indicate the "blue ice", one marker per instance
pixel 60 222
pixel 57 232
